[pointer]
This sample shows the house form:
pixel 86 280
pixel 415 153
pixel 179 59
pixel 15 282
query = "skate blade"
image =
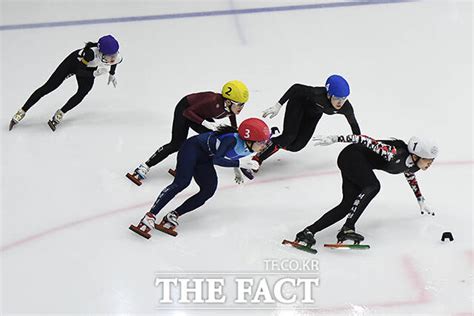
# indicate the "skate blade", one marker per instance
pixel 140 232
pixel 172 172
pixel 165 230
pixel 343 246
pixel 133 179
pixel 298 246
pixel 52 126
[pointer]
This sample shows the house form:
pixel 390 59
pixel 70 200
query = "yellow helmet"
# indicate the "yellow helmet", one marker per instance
pixel 235 90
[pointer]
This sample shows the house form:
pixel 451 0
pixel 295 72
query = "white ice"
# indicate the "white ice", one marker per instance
pixel 66 204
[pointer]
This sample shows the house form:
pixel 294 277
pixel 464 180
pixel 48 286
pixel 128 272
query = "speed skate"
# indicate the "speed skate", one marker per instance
pixel 134 178
pixel 141 230
pixel 166 228
pixel 299 246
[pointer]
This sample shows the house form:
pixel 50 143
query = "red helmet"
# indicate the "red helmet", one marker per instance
pixel 254 129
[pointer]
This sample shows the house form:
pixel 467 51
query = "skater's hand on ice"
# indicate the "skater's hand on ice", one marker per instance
pixel 425 208
pixel 113 80
pixel 100 71
pixel 248 163
pixel 324 140
pixel 272 111
pixel 239 178
pixel 213 126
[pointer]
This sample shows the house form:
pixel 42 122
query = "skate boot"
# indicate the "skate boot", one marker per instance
pixel 168 224
pixel 303 241
pixel 145 225
pixel 55 120
pixel 139 174
pixel 16 118
pixel 305 237
pixel 347 233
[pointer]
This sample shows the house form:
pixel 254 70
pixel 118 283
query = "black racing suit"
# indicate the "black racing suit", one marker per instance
pixel 359 183
pixel 74 64
pixel 306 105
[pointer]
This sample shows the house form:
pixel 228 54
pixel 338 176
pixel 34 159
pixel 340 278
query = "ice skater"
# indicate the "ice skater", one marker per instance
pixel 306 105
pixel 357 163
pixel 198 112
pixel 226 147
pixel 95 59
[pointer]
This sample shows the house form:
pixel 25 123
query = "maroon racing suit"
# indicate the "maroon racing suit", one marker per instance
pixel 190 112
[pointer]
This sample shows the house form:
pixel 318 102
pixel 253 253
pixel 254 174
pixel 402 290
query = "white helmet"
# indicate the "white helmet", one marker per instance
pixel 423 148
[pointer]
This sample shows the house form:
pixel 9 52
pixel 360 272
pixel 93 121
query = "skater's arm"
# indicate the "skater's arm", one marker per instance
pixel 219 157
pixel 386 151
pixel 411 179
pixel 424 207
pixel 296 90
pixel 191 113
pixel 351 119
pixel 112 69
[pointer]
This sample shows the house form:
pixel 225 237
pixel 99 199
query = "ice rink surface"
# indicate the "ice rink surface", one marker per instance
pixel 66 204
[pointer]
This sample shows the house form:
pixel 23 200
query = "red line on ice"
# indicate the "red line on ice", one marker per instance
pixel 146 204
pixel 416 281
pixel 225 187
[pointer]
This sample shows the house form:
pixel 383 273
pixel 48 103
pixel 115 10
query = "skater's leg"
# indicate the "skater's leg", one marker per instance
pixel 206 177
pixel 355 167
pixel 64 70
pixel 370 188
pixel 178 135
pixel 308 125
pixel 85 85
pixel 187 158
pixel 349 193
pixel 291 126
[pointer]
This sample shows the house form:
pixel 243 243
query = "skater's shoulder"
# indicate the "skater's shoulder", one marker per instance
pixel 398 143
pixel 205 96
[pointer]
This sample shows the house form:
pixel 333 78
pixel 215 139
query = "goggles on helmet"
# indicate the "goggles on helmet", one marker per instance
pixel 237 103
pixel 109 59
pixel 339 99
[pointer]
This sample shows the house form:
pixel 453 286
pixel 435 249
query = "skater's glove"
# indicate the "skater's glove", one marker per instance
pixel 324 140
pixel 100 71
pixel 248 163
pixel 239 178
pixel 272 111
pixel 113 80
pixel 213 126
pixel 425 208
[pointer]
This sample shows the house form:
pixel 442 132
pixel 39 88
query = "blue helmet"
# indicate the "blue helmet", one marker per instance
pixel 108 45
pixel 337 86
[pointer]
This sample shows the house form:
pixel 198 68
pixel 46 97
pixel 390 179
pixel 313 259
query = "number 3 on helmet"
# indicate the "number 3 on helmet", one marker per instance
pixel 254 129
